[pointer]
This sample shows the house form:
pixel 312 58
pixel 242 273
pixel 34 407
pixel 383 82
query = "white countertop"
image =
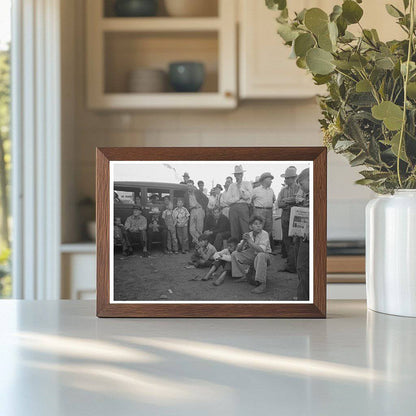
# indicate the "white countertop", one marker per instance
pixel 58 359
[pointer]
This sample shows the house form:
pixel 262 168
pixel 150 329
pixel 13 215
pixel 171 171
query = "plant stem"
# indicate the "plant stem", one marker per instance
pixel 406 80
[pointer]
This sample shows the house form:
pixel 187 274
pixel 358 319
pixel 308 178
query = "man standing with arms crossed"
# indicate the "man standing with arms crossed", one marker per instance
pixel 239 198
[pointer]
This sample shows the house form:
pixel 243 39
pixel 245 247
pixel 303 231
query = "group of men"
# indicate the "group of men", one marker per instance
pixel 240 211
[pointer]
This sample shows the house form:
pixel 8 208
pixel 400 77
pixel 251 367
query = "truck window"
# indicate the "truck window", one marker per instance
pixel 156 195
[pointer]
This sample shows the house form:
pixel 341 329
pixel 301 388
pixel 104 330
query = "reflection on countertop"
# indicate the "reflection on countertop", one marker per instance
pixel 355 362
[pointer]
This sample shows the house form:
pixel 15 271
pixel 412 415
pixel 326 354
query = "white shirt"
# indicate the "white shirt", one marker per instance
pixel 239 192
pixel 263 197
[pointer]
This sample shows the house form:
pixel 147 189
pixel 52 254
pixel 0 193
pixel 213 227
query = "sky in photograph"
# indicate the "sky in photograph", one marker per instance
pixel 5 21
pixel 210 173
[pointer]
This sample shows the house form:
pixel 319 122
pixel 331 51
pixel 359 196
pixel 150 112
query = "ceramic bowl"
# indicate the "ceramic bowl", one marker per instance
pixel 135 8
pixel 186 76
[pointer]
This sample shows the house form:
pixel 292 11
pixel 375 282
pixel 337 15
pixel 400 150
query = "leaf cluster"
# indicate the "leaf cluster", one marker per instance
pixel 366 116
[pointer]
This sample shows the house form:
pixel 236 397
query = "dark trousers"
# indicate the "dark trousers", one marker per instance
pixel 182 233
pixel 302 268
pixel 134 238
pixel 152 235
pixel 218 239
pixel 239 216
pixel 267 214
pixel 289 247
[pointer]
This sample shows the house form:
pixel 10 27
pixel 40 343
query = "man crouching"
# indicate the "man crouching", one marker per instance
pixel 253 250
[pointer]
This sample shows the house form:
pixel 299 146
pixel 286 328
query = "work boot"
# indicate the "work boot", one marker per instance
pixel 259 289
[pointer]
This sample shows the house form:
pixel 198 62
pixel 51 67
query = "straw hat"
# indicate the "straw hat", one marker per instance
pixel 289 173
pixel 238 169
pixel 264 176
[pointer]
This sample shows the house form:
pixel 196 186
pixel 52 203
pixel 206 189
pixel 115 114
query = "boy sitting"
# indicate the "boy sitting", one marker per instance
pixel 253 250
pixel 204 253
pixel 222 258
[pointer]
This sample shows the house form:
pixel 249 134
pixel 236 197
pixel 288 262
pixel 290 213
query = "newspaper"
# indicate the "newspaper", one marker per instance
pixel 299 222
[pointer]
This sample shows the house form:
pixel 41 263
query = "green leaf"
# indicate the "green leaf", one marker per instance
pixel 358 61
pixel 301 63
pixel 336 12
pixel 385 63
pixel 347 37
pixel 300 17
pixel 375 175
pixel 343 145
pixel 286 32
pixel 411 90
pixel 303 43
pixel 390 113
pixel 321 79
pixel 325 43
pixel 394 143
pixel 342 25
pixel 276 4
pixel 343 65
pixel 351 11
pixel 358 160
pixel 364 181
pixel 375 35
pixel 412 67
pixel 363 86
pixel 316 20
pixel 319 61
pixel 374 150
pixel 393 11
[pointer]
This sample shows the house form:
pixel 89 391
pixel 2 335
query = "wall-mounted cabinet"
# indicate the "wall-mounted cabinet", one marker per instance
pixel 118 46
pixel 265 70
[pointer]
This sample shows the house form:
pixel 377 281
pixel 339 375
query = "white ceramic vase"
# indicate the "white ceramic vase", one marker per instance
pixel 391 253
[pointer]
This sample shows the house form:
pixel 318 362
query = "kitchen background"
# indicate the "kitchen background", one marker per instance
pixel 273 106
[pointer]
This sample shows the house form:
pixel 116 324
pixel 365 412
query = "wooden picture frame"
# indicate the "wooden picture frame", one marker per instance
pixel 316 308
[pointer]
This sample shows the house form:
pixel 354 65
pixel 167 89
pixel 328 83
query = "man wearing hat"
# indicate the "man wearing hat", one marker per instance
pixel 135 227
pixel 215 197
pixel 239 198
pixel 197 203
pixel 302 246
pixel 186 178
pixel 286 200
pixel 263 201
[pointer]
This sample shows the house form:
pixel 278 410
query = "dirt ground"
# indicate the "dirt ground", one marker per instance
pixel 163 277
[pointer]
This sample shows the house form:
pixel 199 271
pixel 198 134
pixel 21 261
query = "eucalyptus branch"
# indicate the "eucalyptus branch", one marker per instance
pixel 406 80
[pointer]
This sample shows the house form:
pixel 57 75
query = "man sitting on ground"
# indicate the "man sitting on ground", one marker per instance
pixel 253 250
pixel 217 228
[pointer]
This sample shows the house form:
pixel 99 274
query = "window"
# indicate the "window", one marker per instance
pixel 156 195
pixel 5 159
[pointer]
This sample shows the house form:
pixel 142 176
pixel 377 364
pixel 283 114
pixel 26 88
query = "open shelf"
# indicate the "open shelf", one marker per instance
pixel 160 24
pixel 211 9
pixel 116 46
pixel 127 51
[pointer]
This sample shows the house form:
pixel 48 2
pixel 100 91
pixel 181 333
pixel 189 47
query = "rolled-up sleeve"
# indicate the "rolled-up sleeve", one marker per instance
pixel 246 191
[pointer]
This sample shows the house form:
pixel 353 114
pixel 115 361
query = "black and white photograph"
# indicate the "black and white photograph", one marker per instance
pixel 209 231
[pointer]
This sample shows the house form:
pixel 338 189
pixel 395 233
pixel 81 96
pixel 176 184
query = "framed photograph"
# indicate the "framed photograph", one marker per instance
pixel 211 232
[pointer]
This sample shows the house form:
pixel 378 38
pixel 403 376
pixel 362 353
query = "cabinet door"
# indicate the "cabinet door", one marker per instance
pixel 265 68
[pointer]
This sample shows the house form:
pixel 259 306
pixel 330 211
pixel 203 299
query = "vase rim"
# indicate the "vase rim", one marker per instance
pixel 405 191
